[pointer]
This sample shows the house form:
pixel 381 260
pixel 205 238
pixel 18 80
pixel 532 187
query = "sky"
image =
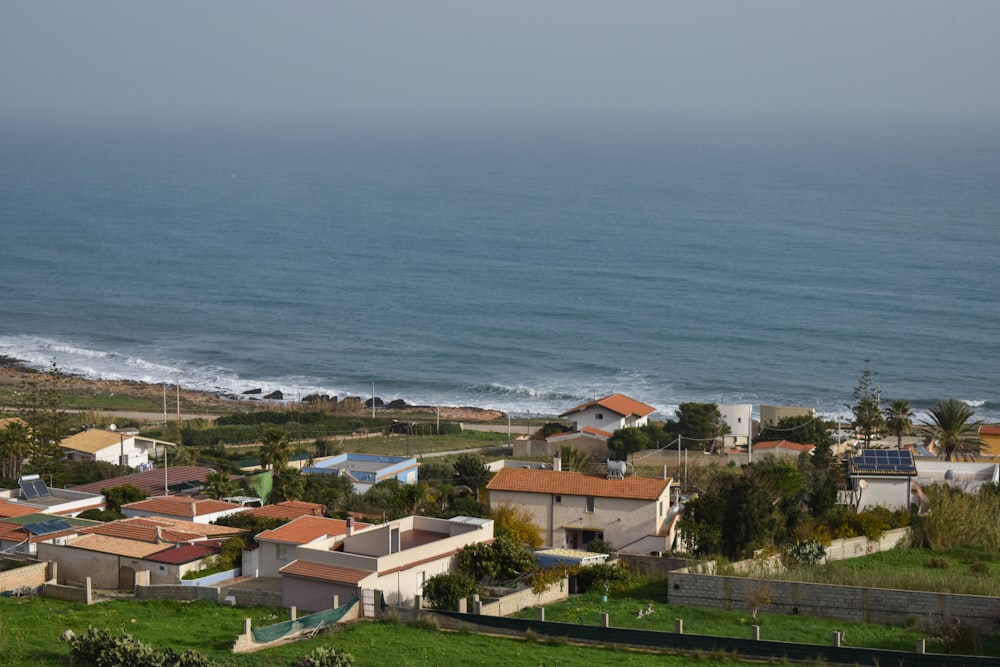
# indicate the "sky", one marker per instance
pixel 279 61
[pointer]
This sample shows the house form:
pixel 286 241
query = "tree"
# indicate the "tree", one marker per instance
pixel 899 419
pixel 120 495
pixel 275 451
pixel 472 472
pixel 628 440
pixel 39 403
pixel 15 445
pixel 950 427
pixel 502 561
pixel 515 521
pixel 289 485
pixel 802 429
pixel 701 421
pixel 573 459
pixel 443 591
pixel 867 414
pixel 218 485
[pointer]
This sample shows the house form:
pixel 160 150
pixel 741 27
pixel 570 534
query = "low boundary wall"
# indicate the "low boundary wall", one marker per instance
pixel 523 599
pixel 30 576
pixel 176 592
pixel 672 641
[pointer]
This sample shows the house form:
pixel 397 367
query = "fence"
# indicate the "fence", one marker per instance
pixel 673 641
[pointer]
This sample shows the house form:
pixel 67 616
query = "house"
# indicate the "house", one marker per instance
pixel 198 510
pixel 879 478
pixel 22 533
pixel 112 553
pixel 990 435
pixel 115 447
pixel 35 495
pixel 278 546
pixel 770 415
pixel 286 510
pixel 395 557
pixel 572 509
pixel 170 565
pixel 739 418
pixel 608 414
pixel 782 448
pixel 367 470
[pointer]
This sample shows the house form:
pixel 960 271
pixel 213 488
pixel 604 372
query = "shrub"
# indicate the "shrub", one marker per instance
pixel 325 657
pixel 101 648
pixel 615 574
pixel 938 563
pixel 443 591
pixel 803 553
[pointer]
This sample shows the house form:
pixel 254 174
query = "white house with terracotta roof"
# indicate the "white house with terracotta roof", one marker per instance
pixel 279 546
pixel 21 533
pixel 607 415
pixel 115 447
pixel 571 509
pixel 111 553
pixel 198 510
pixel 395 557
pixel 782 448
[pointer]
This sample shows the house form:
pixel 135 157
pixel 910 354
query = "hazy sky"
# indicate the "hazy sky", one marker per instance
pixel 561 58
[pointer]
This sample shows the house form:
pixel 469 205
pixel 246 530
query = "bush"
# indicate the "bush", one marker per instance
pixel 443 591
pixel 938 563
pixel 615 574
pixel 803 553
pixel 101 648
pixel 325 657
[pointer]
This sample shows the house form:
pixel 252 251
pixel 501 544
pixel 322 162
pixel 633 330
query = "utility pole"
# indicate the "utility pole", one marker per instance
pixel 373 400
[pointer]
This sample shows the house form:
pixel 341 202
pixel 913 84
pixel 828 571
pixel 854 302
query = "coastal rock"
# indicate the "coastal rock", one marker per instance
pixel 398 404
pixel 275 395
pixel 248 392
pixel 376 401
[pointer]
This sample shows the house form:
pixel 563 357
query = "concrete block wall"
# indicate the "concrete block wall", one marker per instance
pixel 245 598
pixel 176 592
pixel 32 576
pixel 849 603
pixel 79 594
pixel 515 602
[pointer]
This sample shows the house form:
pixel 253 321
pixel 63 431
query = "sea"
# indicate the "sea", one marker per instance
pixel 522 266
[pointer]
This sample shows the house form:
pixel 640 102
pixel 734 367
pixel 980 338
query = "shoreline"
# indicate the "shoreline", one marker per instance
pixel 15 371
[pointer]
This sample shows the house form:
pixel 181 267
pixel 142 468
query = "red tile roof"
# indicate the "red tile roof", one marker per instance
pixel 989 429
pixel 577 484
pixel 181 506
pixel 150 482
pixel 117 546
pixel 144 529
pixel 9 509
pixel 289 509
pixel 185 553
pixel 783 444
pixel 323 572
pixel 308 529
pixel 619 403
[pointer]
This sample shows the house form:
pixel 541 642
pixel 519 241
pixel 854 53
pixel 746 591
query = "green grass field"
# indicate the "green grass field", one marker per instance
pixel 30 629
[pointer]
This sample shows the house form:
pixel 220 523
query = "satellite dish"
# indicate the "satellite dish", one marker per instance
pixel 113 428
pixel 863 484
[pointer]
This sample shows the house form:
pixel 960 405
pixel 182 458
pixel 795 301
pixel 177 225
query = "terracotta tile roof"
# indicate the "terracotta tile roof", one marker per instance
pixel 989 429
pixel 307 529
pixel 144 529
pixel 619 403
pixel 117 545
pixel 577 484
pixel 323 572
pixel 289 509
pixel 8 421
pixel 150 482
pixel 8 509
pixel 185 553
pixel 181 506
pixel 783 444
pixel 93 441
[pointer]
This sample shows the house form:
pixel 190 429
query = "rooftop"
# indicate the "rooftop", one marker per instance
pixel 619 403
pixel 577 484
pixel 308 529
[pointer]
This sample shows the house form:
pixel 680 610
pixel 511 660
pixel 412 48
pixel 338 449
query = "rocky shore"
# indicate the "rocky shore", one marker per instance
pixel 13 372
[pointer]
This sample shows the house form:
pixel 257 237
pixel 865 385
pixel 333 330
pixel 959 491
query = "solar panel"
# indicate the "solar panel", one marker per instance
pixel 45 527
pixel 884 462
pixel 33 488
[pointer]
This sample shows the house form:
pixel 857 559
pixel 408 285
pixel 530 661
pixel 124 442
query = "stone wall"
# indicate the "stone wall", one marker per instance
pixel 83 595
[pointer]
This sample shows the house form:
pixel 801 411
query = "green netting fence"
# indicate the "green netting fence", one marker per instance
pixel 312 622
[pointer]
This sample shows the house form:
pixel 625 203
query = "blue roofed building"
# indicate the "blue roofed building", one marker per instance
pixel 367 470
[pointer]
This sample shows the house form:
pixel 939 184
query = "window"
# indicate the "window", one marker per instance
pixel 282 552
pixel 661 508
pixel 558 499
pixel 599 415
pixel 590 504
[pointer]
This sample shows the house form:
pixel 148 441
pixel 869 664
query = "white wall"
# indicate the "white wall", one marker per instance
pixel 739 417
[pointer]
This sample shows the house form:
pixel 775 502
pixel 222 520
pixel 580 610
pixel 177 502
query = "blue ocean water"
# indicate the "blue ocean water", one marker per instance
pixel 525 268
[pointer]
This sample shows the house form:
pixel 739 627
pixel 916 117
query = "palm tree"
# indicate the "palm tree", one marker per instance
pixel 899 419
pixel 951 428
pixel 276 450
pixel 219 485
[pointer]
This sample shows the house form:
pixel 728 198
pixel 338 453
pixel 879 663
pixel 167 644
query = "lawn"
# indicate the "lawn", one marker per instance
pixel 622 608
pixel 959 571
pixel 29 631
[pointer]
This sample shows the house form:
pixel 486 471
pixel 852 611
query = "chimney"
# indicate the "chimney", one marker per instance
pixel 350 526
pixel 664 471
pixel 557 462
